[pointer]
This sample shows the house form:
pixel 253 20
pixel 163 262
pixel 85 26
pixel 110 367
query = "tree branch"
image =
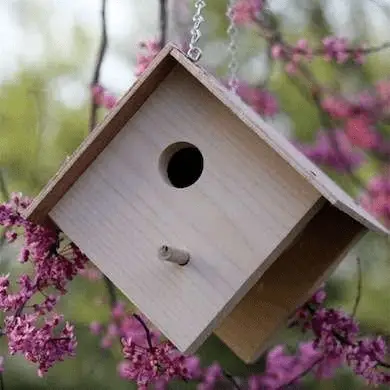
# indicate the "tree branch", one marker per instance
pixel 163 23
pixel 2 385
pixel 98 64
pixel 5 194
pixel 147 331
pixel 359 286
pixel 301 374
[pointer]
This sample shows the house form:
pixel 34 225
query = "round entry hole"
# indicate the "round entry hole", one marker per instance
pixel 181 164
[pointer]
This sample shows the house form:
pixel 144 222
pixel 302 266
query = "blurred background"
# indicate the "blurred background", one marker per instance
pixel 48 50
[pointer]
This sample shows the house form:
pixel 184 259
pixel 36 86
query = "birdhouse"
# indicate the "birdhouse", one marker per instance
pixel 203 215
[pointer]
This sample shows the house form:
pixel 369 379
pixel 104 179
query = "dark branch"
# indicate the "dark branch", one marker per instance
pixel 3 186
pixel 111 291
pixel 359 286
pixel 2 385
pixel 147 331
pixel 5 194
pixel 301 374
pixel 98 64
pixel 163 23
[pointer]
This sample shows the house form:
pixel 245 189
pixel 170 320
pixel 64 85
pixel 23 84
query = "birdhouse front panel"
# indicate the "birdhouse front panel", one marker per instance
pixel 185 172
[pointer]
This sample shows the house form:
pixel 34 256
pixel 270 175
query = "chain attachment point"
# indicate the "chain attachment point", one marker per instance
pixel 232 48
pixel 194 53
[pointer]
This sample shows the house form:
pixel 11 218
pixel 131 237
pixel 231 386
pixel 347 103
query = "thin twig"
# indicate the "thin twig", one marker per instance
pixel 359 286
pixel 3 186
pixel 5 194
pixel 111 292
pixel 98 64
pixel 301 374
pixel 147 330
pixel 2 385
pixel 163 23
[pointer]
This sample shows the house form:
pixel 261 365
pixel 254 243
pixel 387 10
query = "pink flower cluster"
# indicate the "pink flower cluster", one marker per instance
pixel 337 340
pixel 358 117
pixel 340 50
pixel 292 55
pixel 333 149
pixel 283 369
pixel 53 266
pixel 157 365
pixel 122 325
pixel 103 98
pixel 151 48
pixel 148 359
pixel 261 100
pixel 333 49
pixel 376 198
pixel 247 11
pixel 44 345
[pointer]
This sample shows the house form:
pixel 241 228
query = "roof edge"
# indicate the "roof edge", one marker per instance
pixel 100 137
pixel 316 177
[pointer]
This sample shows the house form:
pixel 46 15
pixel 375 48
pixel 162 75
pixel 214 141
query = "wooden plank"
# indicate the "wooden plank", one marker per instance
pixel 327 187
pixel 234 221
pixel 289 282
pixel 95 143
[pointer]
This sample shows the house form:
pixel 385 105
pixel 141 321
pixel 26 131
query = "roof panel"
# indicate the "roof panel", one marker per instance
pixel 129 104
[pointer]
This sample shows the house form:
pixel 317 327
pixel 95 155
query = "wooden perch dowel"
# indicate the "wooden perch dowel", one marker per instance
pixel 173 255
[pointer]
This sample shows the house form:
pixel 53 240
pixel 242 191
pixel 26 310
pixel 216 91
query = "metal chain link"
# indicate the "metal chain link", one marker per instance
pixel 194 52
pixel 232 48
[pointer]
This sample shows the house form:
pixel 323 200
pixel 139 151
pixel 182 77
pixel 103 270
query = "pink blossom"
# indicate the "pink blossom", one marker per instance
pixel 1 364
pixel 360 131
pixel 336 107
pixel 53 266
pixel 333 150
pixel 261 100
pixel 290 67
pixel 147 366
pixel 211 377
pixel 364 358
pixel 383 94
pixel 45 344
pixel 376 198
pixel 11 236
pixel 118 310
pixel 103 98
pixel 278 51
pixel 151 48
pixel 91 273
pixel 304 314
pixel 246 11
pixel 95 328
pixel 334 331
pixel 283 369
pixel 335 49
pixel 340 50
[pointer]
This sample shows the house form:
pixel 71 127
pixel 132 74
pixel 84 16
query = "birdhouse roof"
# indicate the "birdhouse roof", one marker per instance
pixel 158 70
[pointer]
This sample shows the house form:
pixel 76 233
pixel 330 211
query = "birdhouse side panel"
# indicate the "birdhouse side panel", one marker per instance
pixel 187 173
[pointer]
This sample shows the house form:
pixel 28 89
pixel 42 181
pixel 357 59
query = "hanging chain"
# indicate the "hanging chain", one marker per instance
pixel 194 52
pixel 232 48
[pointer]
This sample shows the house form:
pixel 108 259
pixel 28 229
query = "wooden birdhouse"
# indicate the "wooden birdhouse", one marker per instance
pixel 183 167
